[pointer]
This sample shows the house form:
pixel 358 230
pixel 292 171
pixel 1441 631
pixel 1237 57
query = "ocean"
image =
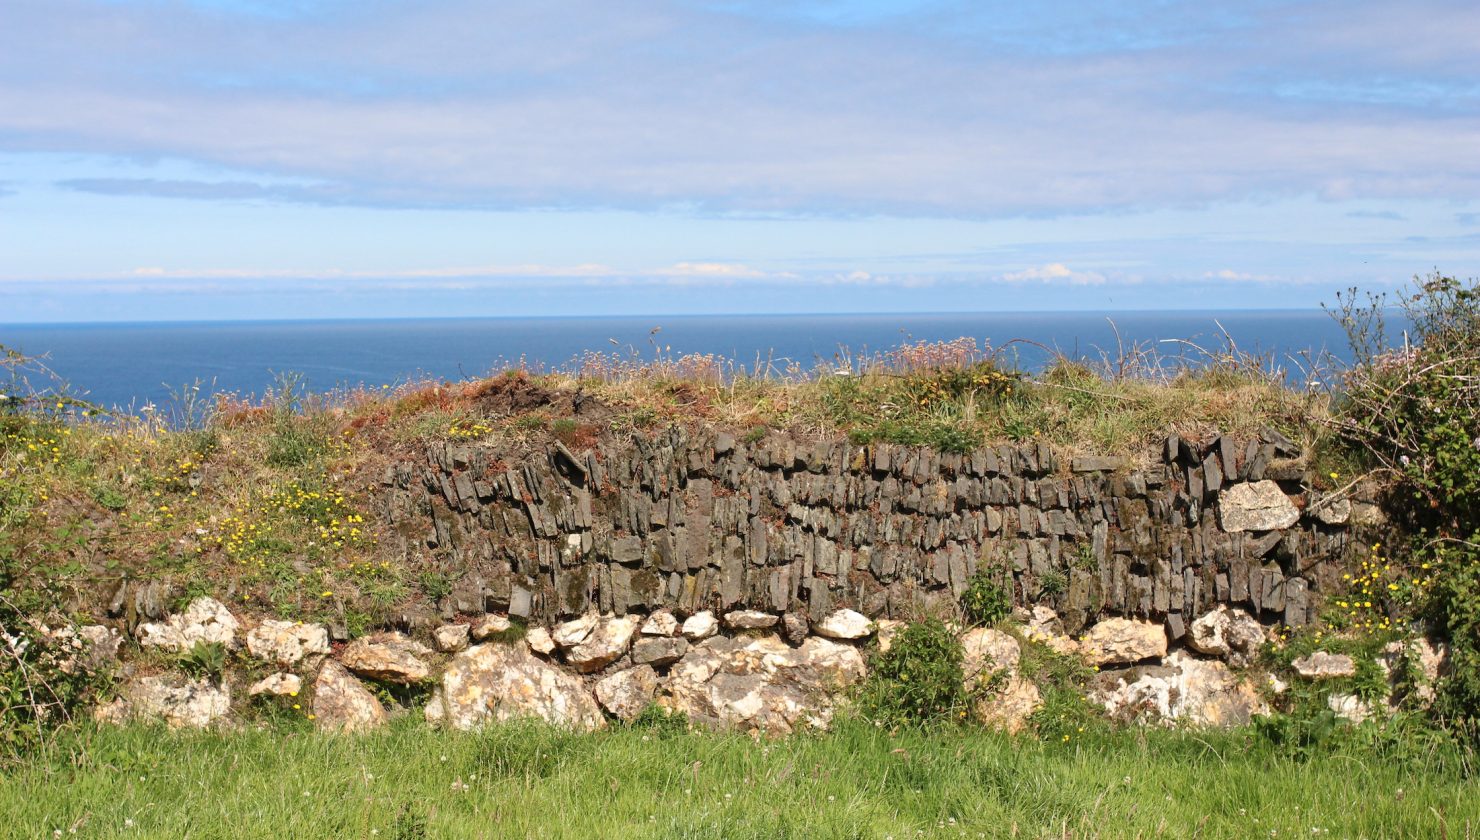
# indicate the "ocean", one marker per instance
pixel 129 365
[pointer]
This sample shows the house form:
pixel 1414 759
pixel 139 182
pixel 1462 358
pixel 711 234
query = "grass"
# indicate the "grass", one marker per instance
pixel 856 782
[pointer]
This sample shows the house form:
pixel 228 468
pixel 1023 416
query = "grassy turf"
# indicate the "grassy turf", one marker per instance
pixel 857 781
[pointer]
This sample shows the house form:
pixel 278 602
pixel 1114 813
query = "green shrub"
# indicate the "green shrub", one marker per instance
pixel 1053 582
pixel 919 679
pixel 661 722
pixel 1414 414
pixel 985 601
pixel 293 443
pixel 41 685
pixel 437 585
pixel 205 660
pixel 1063 682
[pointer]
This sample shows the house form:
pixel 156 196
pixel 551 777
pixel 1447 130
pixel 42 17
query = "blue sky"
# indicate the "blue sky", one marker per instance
pixel 202 159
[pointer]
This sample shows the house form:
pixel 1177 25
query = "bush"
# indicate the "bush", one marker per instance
pixel 206 660
pixel 985 601
pixel 1414 413
pixel 41 684
pixel 919 679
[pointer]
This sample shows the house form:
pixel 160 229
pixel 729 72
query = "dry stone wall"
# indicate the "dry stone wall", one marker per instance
pixel 695 520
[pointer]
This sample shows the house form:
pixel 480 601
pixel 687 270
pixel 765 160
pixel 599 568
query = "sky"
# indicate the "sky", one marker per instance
pixel 227 159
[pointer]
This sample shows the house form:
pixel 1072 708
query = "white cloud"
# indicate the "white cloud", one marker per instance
pixel 1055 273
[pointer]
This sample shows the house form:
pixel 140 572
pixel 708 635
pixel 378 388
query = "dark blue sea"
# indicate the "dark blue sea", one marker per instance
pixel 134 364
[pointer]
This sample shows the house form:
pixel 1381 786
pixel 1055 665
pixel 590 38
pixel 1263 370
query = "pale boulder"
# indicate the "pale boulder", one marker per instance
pixel 1009 707
pixel 1198 692
pixel 451 638
pixel 1256 506
pixel 388 657
pixel 1229 633
pixel 573 632
pixel 844 624
pixel 1119 641
pixel 1324 666
pixel 1044 627
pixel 496 683
pixel 205 620
pixel 342 704
pixel 660 623
pixel 700 626
pixel 490 625
pixel 540 641
pixel 626 693
pixel 278 685
pixel 762 684
pixel 886 629
pixel 749 620
pixel 180 703
pixel 987 652
pixel 607 642
pixel 285 643
pixel 1350 707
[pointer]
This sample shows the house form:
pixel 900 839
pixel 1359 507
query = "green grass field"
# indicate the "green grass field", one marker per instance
pixel 856 782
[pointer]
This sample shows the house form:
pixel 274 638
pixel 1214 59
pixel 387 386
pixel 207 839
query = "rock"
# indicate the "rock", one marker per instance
pixel 100 648
pixel 540 642
pixel 204 620
pixel 497 683
pixel 1123 641
pixel 1349 707
pixel 87 649
pixel 886 629
pixel 280 685
pixel 660 623
pixel 1367 515
pixel 435 711
pixel 761 684
pixel 990 668
pixel 489 625
pixel 606 643
pixel 1199 692
pixel 151 599
pixel 1210 694
pixel 1009 708
pixel 1230 633
pixel 285 643
pixel 1042 620
pixel 626 693
pixel 700 626
pixel 658 652
pixel 1433 660
pixel 1322 666
pixel 1256 506
pixel 168 697
pixel 451 638
pixel 1415 666
pixel 844 624
pixel 1044 627
pixel 988 652
pixel 572 633
pixel 342 704
pixel 388 657
pixel 1332 512
pixel 794 628
pixel 749 620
